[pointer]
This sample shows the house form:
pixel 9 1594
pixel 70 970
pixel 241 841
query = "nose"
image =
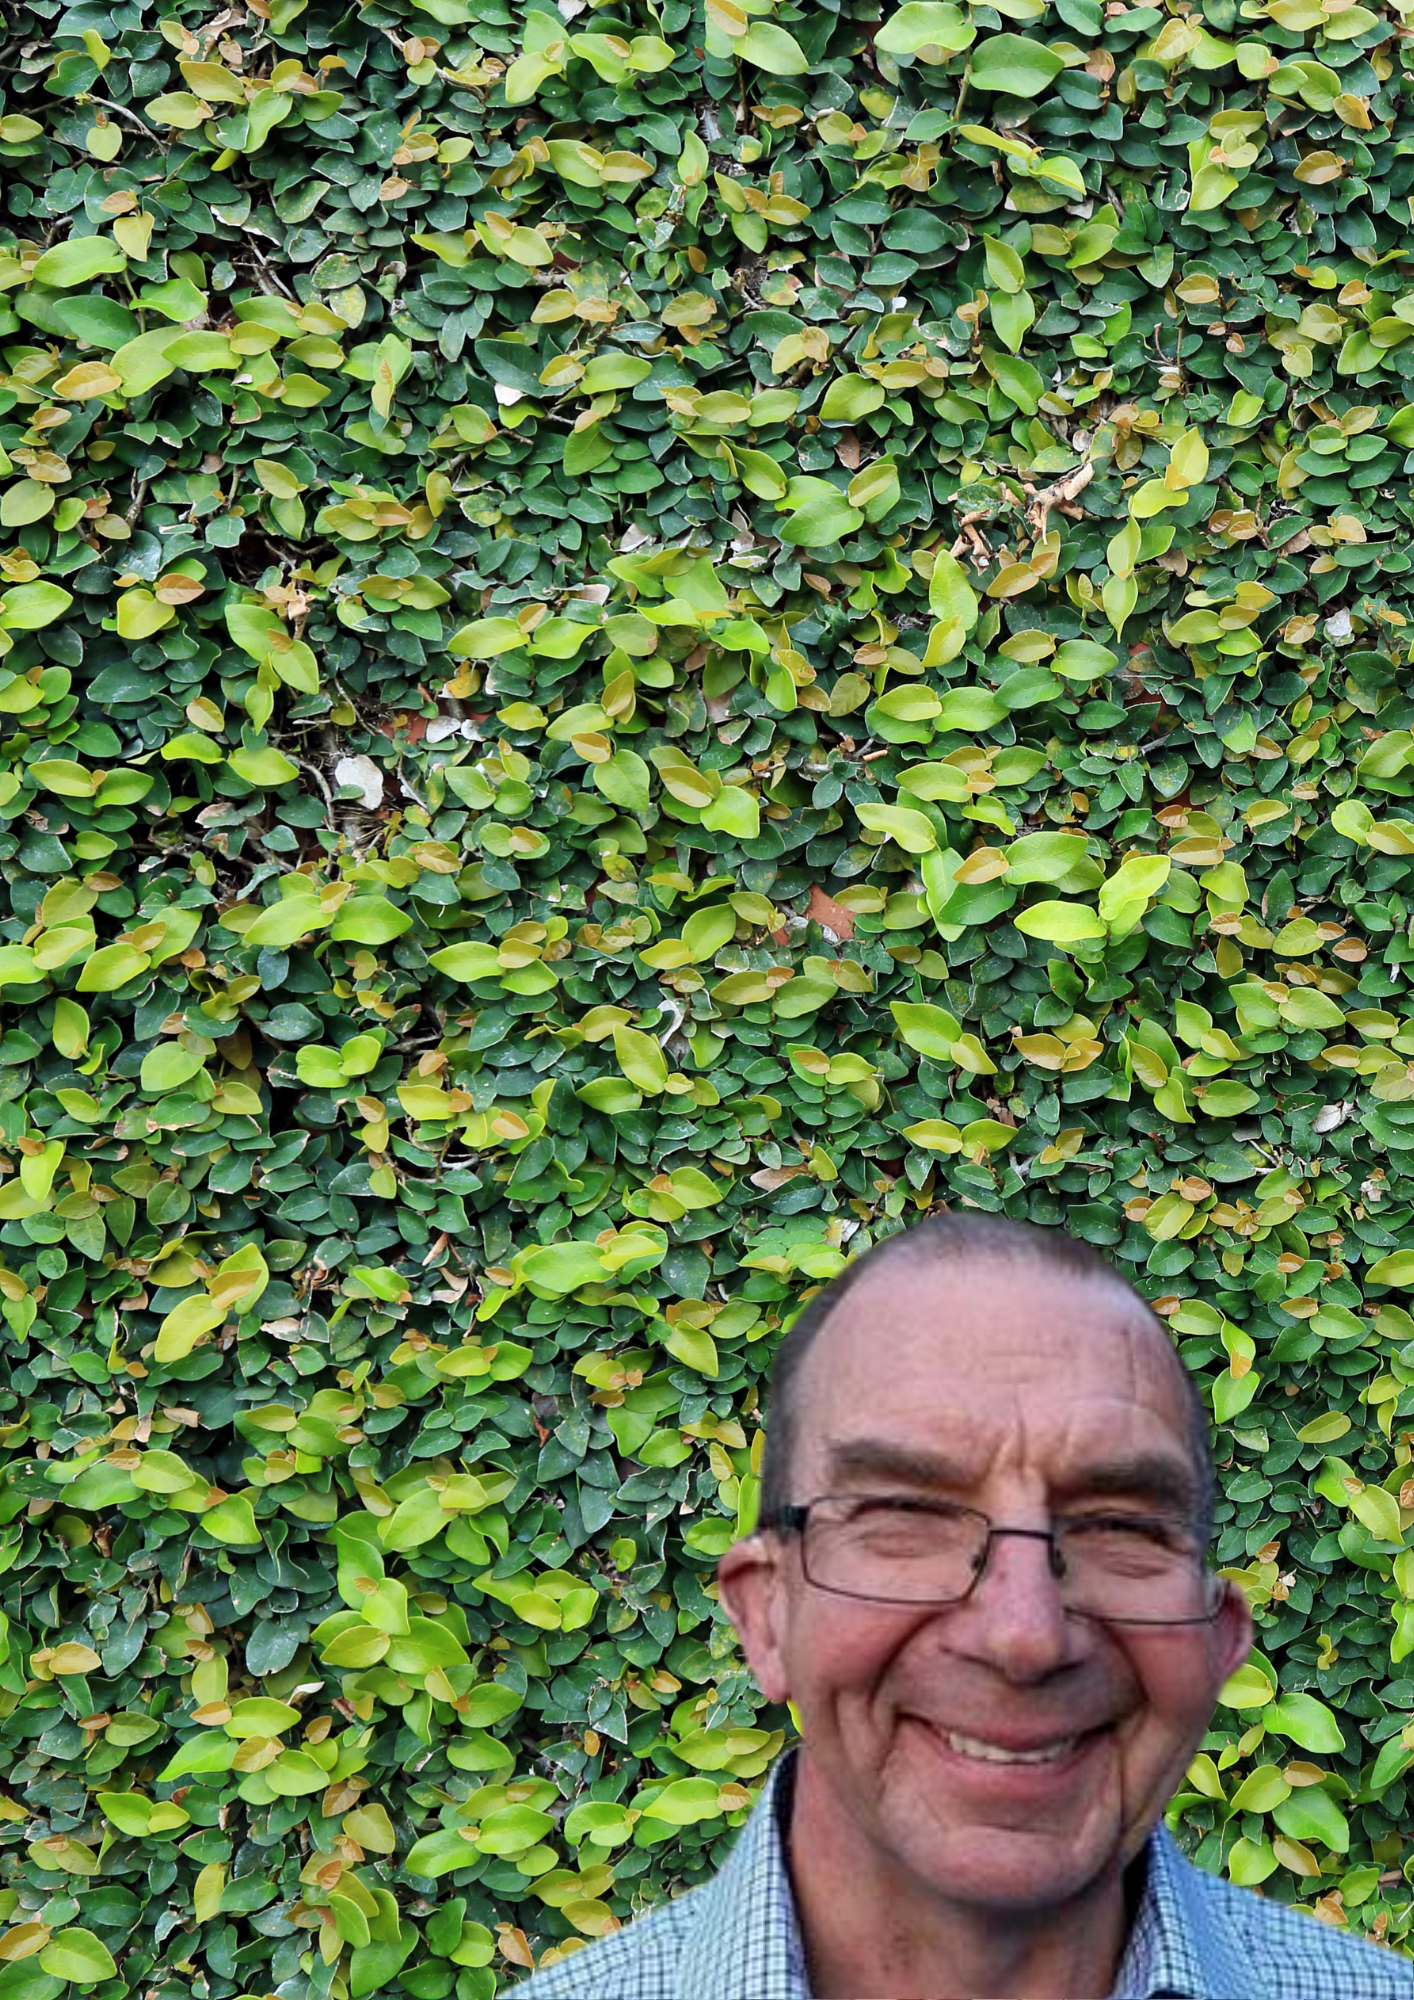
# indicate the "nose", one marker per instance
pixel 1014 1620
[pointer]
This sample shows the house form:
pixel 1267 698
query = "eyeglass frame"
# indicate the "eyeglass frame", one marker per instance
pixel 794 1518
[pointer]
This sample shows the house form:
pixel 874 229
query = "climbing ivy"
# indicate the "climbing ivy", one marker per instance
pixel 637 645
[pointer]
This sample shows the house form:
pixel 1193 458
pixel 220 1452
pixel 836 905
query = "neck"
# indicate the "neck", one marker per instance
pixel 870 1926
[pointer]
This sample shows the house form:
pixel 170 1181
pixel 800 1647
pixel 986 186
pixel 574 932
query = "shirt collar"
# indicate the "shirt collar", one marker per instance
pixel 1179 1943
pixel 746 1934
pixel 746 1937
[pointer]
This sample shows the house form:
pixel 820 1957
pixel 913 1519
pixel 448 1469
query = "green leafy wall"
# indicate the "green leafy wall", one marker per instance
pixel 637 646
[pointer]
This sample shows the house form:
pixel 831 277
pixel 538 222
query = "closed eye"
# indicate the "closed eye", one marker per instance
pixel 1157 1531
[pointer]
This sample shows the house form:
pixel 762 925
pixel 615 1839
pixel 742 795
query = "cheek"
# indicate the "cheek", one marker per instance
pixel 839 1651
pixel 1178 1686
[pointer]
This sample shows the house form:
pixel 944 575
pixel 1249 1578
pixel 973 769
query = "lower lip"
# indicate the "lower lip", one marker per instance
pixel 1019 1778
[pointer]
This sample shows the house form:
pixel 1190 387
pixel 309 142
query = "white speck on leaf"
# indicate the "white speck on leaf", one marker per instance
pixel 363 772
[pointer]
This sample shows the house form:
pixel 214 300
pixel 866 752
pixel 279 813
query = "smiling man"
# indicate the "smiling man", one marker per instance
pixel 981 1577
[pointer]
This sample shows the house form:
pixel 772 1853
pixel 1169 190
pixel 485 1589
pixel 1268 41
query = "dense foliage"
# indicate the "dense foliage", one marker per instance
pixel 638 645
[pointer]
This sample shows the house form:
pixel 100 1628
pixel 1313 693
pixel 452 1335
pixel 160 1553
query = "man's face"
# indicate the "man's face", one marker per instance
pixel 999 1751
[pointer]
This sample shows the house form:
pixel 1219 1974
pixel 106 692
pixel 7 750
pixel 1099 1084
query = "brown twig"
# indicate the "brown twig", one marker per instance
pixel 970 535
pixel 1060 493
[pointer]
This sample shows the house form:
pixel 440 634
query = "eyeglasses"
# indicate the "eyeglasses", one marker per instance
pixel 1122 1568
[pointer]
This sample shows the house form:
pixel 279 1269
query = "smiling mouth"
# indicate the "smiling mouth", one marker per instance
pixel 981 1752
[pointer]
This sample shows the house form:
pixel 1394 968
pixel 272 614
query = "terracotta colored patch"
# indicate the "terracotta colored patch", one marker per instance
pixel 413 727
pixel 829 914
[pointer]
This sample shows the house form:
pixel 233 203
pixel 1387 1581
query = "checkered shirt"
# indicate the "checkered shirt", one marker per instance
pixel 1194 1938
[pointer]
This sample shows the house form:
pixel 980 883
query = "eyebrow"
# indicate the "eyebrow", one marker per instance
pixel 1150 1476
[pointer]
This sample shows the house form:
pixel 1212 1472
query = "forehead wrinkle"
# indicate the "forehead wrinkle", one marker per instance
pixel 1151 1475
pixel 950 1282
pixel 1114 1314
pixel 1113 1321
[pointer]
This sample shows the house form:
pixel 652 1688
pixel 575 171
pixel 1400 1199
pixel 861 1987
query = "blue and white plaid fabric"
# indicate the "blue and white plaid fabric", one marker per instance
pixel 1194 1938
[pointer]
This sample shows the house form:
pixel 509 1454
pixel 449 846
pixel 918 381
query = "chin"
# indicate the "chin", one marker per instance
pixel 1004 1870
pixel 1011 1838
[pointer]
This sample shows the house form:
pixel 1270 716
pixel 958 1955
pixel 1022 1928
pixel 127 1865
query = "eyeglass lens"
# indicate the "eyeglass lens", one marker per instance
pixel 1129 1567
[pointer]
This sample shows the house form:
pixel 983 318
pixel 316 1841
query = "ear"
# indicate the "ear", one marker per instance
pixel 754 1587
pixel 1233 1631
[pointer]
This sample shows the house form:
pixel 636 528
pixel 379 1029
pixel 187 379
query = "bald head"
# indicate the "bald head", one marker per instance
pixel 951 1276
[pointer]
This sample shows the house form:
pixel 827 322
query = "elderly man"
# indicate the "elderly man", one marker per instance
pixel 980 1577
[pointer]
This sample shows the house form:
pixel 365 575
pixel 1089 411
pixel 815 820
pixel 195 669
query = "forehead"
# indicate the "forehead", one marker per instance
pixel 972 1359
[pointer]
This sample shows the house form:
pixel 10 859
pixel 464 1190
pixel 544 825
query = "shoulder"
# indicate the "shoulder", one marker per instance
pixel 1302 1958
pixel 640 1962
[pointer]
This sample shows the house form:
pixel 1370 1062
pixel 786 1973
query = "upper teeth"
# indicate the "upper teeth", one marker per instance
pixel 992 1753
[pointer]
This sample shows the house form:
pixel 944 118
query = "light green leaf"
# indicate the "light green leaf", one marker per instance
pixel 769 47
pixel 1125 893
pixel 294 1773
pixel 685 1802
pixel 1307 1722
pixel 1060 923
pixel 913 831
pixel 759 473
pixel 26 607
pixel 467 961
pixel 193 748
pixel 232 1521
pixel 706 931
pixel 1379 1512
pixel 369 920
pixel 1005 269
pixel 168 1065
pixel 924 25
pixel 563 1267
pixel 1396 1269
pixel 1312 1814
pixel 950 595
pixel 177 107
pixel 260 1716
pixel 202 352
pixel 286 922
pixel 78 1956
pixel 640 1059
pixel 1047 857
pixel 850 397
pixel 263 767
pixel 624 780
pixel 25 501
pixel 139 615
pixel 1249 1687
pixel 109 969
pixel 821 522
pixel 209 1751
pixel 185 1324
pixel 926 1028
pixel 935 1135
pixel 79 261
pixel 935 781
pixel 254 627
pixel 1015 65
pixel 1250 1862
pixel 130 1812
pixel 734 811
pixel 177 299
